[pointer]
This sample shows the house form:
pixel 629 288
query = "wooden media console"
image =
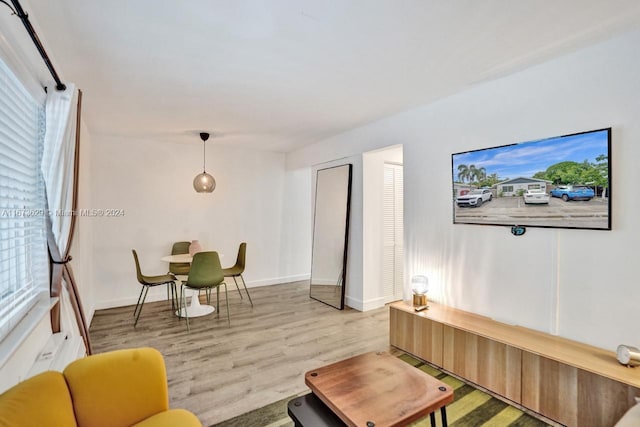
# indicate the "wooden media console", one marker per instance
pixel 572 383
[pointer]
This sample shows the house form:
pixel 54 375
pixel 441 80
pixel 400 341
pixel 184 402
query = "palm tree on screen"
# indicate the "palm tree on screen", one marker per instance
pixel 471 173
pixel 464 173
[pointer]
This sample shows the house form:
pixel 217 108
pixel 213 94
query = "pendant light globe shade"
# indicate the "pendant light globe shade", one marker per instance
pixel 204 183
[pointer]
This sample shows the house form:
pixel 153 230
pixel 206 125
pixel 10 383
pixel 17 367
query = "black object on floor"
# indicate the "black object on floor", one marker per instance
pixel 309 410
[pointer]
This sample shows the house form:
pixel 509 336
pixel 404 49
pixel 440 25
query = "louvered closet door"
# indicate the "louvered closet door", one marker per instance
pixel 398 233
pixel 392 268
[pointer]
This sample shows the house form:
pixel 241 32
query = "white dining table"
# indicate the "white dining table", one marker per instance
pixel 194 309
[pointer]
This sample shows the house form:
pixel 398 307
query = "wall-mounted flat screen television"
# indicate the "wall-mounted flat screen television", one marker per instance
pixel 559 182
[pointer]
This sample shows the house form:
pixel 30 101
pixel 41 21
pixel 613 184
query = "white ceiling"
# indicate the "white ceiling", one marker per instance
pixel 281 74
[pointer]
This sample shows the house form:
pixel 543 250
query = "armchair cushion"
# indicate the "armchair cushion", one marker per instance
pixel 42 400
pixel 118 388
pixel 171 418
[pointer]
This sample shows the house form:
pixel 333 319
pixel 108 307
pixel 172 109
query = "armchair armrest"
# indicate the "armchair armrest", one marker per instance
pixel 118 388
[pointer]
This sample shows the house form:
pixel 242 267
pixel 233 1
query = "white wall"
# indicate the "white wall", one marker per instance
pixel 151 181
pixel 297 220
pixel 582 284
pixel 33 337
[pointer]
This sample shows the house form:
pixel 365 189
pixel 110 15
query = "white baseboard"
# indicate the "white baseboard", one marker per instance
pixel 275 281
pixel 356 304
pixel 372 304
pixel 360 305
pixel 160 293
pixel 153 296
pixel 325 282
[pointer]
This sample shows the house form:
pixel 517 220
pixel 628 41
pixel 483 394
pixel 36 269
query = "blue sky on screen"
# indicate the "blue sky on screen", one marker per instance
pixel 527 158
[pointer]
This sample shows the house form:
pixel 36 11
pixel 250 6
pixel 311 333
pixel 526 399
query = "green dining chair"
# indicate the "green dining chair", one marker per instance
pixel 205 274
pixel 179 268
pixel 238 269
pixel 149 282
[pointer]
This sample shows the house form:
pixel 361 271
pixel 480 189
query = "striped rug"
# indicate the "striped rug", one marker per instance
pixel 470 407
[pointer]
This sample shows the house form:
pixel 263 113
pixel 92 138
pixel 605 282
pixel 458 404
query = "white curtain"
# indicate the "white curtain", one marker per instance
pixel 59 170
pixel 58 159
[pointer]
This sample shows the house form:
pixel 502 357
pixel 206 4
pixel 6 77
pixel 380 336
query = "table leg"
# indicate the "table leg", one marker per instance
pixel 195 309
pixel 432 416
pixel 443 414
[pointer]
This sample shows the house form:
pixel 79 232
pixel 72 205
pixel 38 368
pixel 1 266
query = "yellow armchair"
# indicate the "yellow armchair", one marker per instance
pixel 116 389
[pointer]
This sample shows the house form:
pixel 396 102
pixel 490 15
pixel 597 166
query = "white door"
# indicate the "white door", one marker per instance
pixel 392 229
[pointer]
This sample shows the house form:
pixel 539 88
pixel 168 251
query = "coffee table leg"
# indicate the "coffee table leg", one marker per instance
pixel 432 416
pixel 443 414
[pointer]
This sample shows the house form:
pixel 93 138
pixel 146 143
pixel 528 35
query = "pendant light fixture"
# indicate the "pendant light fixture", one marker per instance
pixel 204 183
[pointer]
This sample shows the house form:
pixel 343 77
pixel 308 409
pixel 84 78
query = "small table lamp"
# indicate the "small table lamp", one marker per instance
pixel 419 286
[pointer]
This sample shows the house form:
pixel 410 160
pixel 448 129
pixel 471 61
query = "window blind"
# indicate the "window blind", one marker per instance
pixel 23 252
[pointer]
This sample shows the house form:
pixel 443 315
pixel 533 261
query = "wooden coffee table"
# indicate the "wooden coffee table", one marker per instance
pixel 375 390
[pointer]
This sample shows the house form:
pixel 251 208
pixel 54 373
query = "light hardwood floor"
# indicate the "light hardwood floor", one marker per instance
pixel 219 372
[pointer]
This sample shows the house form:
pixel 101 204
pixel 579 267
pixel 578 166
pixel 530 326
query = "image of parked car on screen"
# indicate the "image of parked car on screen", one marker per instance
pixel 535 196
pixel 573 192
pixel 474 198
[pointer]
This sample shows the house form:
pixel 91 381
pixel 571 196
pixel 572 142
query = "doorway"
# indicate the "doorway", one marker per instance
pixel 383 253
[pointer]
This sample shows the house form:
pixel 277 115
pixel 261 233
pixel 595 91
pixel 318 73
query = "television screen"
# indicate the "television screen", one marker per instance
pixel 559 182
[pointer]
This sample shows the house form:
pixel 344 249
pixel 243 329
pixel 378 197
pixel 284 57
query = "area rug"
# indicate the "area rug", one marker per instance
pixel 470 407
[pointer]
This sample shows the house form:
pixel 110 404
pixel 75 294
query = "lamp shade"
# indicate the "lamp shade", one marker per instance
pixel 419 285
pixel 204 183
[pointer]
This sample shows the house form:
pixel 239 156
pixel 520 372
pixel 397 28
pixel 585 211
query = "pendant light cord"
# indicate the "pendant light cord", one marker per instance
pixel 204 136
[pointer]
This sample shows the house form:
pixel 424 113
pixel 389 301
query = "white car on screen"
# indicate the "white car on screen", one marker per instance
pixel 535 196
pixel 474 198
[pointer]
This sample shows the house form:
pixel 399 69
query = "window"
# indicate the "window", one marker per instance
pixel 23 254
pixel 507 188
